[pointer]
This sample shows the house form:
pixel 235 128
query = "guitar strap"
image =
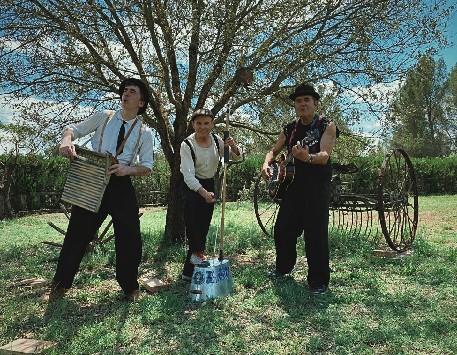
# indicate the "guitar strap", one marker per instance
pixel 313 124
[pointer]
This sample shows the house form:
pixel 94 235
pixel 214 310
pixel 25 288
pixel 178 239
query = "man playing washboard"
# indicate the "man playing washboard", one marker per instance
pixel 123 135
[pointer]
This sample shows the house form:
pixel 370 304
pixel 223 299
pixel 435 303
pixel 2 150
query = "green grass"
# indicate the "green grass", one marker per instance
pixel 374 306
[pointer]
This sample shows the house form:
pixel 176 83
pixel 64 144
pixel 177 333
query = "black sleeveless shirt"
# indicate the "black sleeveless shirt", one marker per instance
pixel 296 131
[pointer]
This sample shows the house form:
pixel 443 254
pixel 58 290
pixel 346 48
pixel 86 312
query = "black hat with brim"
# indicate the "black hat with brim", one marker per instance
pixel 302 90
pixel 143 88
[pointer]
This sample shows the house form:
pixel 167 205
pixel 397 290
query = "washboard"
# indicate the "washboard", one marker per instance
pixel 87 178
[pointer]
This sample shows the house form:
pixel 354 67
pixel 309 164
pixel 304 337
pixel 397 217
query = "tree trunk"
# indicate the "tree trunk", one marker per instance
pixel 6 212
pixel 174 227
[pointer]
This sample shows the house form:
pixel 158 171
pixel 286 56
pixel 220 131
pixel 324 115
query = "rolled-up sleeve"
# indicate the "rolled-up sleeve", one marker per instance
pixel 188 168
pixel 233 156
pixel 83 128
pixel 146 152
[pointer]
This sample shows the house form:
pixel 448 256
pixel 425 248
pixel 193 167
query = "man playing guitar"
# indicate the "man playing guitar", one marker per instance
pixel 304 206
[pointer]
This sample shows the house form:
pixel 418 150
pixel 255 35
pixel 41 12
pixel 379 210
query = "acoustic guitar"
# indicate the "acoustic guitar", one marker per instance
pixel 283 171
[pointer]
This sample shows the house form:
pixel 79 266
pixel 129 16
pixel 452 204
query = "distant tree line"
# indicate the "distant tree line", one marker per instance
pixel 423 114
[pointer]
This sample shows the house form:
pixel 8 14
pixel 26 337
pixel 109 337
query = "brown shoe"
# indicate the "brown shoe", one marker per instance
pixel 133 296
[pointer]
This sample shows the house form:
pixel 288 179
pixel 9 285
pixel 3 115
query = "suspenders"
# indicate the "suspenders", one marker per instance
pixel 216 141
pixel 137 144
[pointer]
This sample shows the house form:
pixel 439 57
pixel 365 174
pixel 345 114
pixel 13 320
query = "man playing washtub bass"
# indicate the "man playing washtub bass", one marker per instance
pixel 304 206
pixel 119 200
pixel 200 154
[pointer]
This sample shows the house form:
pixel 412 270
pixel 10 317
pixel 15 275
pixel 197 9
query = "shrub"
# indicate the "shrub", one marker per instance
pixel 38 181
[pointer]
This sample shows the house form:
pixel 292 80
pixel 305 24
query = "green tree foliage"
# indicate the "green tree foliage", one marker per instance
pixel 16 138
pixel 452 88
pixel 417 117
pixel 71 56
pixel 451 109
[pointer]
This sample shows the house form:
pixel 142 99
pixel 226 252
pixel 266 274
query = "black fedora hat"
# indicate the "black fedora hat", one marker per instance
pixel 143 88
pixel 304 89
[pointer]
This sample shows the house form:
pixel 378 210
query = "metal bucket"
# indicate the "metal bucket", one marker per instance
pixel 212 279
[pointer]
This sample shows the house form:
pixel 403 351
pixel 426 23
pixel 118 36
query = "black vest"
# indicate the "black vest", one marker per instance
pixel 296 131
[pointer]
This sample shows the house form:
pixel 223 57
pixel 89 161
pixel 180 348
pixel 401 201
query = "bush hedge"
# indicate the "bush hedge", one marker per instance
pixel 437 176
pixel 38 181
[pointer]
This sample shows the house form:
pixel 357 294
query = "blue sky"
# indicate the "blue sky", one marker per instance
pixel 450 54
pixel 371 124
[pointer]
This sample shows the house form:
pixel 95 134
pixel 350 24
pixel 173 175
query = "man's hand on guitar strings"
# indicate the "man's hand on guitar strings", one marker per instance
pixel 300 152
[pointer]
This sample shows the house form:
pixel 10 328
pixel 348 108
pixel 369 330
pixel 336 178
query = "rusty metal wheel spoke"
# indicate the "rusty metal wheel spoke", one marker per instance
pixel 397 203
pixel 265 208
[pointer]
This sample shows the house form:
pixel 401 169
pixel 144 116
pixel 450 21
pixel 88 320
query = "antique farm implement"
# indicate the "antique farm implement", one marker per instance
pixel 391 208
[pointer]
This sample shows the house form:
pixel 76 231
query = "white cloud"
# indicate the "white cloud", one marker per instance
pixel 374 93
pixel 10 45
pixel 373 103
pixel 6 109
pixel 8 114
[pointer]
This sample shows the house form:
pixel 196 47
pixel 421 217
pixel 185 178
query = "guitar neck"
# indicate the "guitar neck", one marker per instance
pixel 288 158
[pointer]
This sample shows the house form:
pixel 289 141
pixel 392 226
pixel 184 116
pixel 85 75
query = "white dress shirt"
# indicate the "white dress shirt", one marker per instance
pixel 206 161
pixel 108 137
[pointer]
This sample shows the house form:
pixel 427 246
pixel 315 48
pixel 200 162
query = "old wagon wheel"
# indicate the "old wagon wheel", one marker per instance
pixel 397 200
pixel 265 208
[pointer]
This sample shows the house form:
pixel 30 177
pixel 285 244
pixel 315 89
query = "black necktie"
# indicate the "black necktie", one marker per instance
pixel 120 137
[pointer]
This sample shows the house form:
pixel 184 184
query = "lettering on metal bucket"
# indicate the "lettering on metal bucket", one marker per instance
pixel 211 277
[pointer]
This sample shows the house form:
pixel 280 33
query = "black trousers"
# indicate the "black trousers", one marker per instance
pixel 305 209
pixel 197 218
pixel 119 201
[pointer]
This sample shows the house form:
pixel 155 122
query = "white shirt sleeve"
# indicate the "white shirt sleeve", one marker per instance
pixel 188 168
pixel 146 149
pixel 87 126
